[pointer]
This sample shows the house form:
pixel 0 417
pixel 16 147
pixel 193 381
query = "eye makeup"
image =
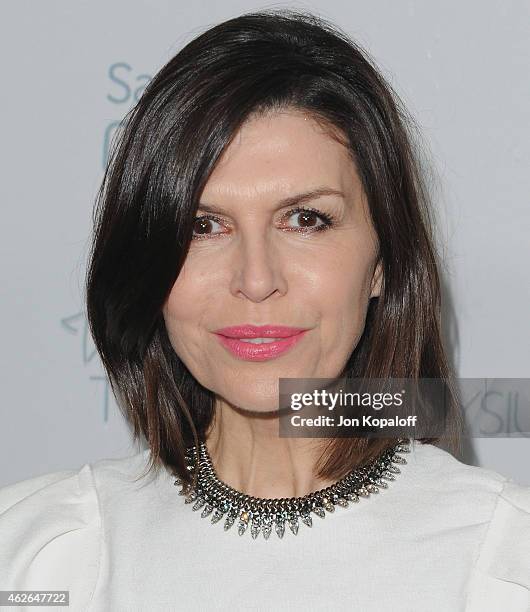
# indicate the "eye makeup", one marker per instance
pixel 329 220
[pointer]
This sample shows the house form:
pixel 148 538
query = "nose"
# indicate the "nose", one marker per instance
pixel 257 268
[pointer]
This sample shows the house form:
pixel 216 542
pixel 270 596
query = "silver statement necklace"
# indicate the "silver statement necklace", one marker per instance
pixel 219 500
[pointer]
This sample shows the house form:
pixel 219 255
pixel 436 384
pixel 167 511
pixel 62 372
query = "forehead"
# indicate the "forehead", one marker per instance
pixel 279 152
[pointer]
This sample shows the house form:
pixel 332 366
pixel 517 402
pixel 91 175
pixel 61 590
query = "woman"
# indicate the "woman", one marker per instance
pixel 263 216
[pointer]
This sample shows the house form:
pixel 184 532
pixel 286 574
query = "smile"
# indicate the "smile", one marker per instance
pixel 259 349
pixel 258 340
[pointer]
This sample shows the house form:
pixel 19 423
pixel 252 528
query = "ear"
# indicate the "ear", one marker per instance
pixel 377 280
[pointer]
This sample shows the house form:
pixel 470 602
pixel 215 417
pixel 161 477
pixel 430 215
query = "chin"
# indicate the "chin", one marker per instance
pixel 253 399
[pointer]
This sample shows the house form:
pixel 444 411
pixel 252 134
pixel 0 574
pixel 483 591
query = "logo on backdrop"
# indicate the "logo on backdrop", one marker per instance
pixel 125 86
pixel 125 89
pixel 77 325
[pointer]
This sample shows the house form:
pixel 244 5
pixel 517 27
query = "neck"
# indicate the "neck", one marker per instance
pixel 248 454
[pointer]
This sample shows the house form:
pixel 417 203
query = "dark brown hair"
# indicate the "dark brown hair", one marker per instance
pixel 160 161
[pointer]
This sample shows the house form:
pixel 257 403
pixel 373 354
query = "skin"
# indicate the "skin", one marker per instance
pixel 255 267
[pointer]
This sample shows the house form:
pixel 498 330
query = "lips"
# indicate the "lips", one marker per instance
pixel 232 338
pixel 259 331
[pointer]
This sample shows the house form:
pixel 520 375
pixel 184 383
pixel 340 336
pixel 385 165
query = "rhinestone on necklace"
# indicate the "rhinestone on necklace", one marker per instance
pixel 219 499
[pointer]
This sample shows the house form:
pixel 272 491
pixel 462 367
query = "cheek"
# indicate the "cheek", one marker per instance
pixel 174 313
pixel 341 294
pixel 184 309
pixel 344 306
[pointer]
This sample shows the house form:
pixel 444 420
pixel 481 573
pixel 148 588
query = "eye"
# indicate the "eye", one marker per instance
pixel 203 224
pixel 307 217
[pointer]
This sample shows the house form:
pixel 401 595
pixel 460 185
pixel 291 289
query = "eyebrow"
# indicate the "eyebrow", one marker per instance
pixel 300 198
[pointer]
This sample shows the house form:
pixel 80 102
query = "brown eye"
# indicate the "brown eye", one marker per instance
pixel 203 225
pixel 307 218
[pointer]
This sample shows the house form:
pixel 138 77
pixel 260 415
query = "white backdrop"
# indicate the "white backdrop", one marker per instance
pixel 71 70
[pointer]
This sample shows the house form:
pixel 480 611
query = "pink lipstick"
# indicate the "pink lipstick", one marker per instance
pixel 259 343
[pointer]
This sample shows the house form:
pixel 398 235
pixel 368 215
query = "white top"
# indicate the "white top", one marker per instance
pixel 444 536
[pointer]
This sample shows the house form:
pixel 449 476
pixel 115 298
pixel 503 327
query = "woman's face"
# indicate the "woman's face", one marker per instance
pixel 260 262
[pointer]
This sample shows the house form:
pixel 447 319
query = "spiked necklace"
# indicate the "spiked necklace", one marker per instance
pixel 261 514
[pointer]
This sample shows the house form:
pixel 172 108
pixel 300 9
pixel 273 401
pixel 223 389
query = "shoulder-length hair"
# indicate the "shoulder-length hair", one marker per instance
pixel 167 147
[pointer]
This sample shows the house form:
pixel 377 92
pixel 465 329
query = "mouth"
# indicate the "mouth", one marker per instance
pixel 248 331
pixel 259 343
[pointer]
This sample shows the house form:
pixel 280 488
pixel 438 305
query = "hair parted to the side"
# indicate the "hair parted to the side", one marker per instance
pixel 161 159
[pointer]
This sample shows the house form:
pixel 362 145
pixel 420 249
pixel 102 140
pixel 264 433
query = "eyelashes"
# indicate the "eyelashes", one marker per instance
pixel 328 220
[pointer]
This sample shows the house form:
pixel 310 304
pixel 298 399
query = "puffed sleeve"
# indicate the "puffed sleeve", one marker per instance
pixel 501 576
pixel 50 535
